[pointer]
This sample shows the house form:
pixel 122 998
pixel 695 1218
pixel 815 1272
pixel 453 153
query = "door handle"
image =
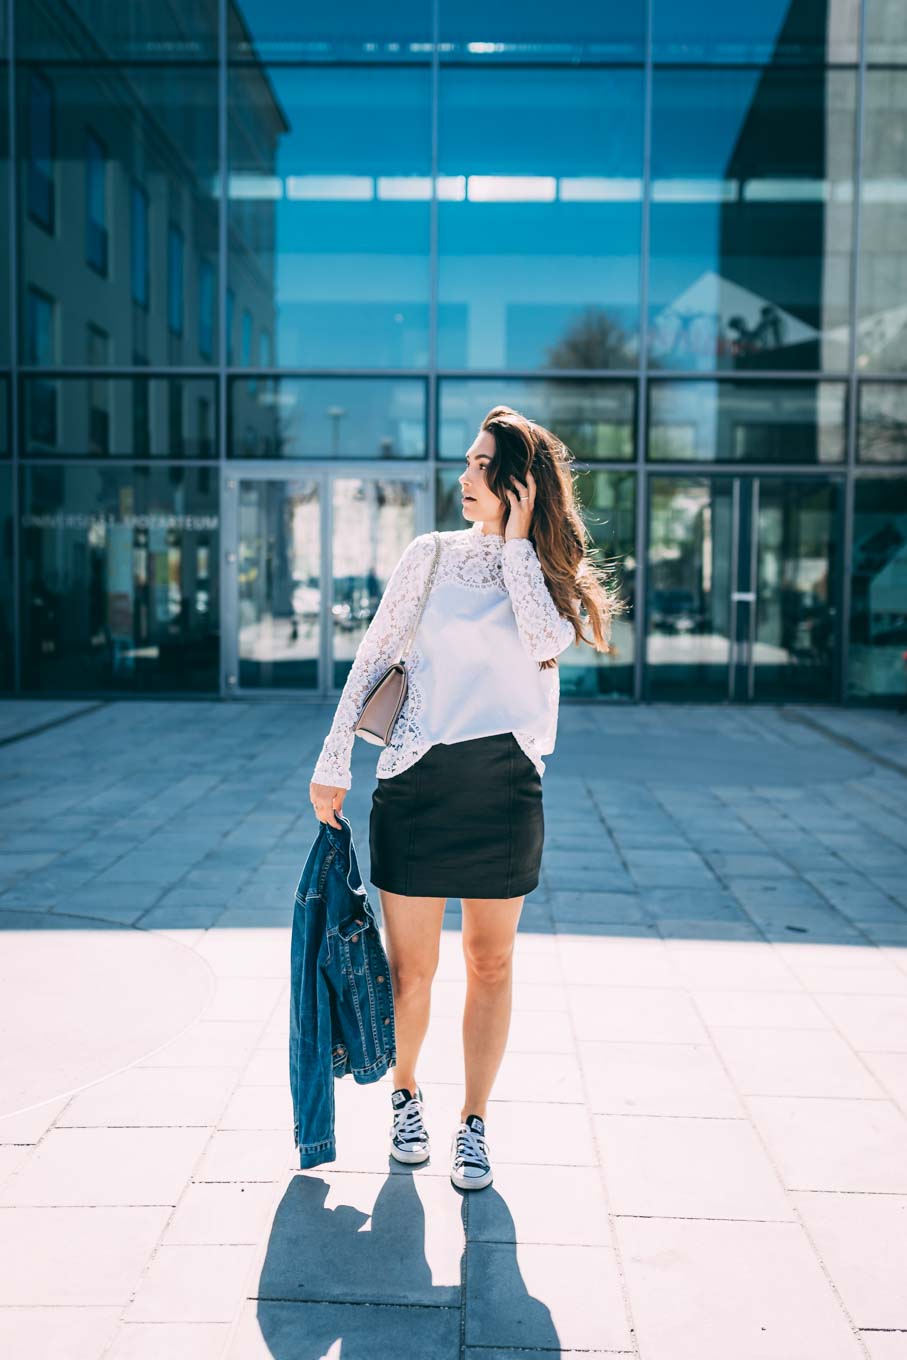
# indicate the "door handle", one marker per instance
pixel 749 595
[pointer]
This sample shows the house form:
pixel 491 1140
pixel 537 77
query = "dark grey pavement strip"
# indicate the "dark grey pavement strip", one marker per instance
pixel 22 719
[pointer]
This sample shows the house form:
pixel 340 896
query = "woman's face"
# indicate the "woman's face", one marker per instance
pixel 480 503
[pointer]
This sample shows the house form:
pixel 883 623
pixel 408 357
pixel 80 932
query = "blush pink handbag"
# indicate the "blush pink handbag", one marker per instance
pixel 381 706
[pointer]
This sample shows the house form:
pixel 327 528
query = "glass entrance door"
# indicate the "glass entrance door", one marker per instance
pixel 307 561
pixel 742 588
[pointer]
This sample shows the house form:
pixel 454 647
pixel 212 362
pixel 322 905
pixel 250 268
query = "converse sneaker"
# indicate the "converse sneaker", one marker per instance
pixel 409 1136
pixel 470 1168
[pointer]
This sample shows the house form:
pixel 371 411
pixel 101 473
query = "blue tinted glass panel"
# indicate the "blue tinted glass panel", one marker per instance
pixel 882 315
pixel 747 422
pixel 358 30
pixel 878 609
pixel 119 578
pixel 539 218
pixel 40 186
pixel 5 189
pixel 130 30
pixel 139 247
pixel 4 416
pixel 886 31
pixel 329 213
pixel 120 417
pixel 7 635
pixel 594 419
pixel 883 423
pixel 775 31
pixel 752 175
pixel 154 128
pixel 574 31
pixel 175 276
pixel 205 309
pixel 327 418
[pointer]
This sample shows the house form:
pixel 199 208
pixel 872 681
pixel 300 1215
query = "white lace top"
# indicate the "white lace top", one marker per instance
pixel 473 665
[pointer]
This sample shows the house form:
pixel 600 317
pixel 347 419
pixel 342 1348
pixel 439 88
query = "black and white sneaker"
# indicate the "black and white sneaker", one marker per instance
pixel 470 1168
pixel 409 1136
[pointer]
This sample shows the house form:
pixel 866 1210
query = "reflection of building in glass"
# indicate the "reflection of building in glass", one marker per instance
pixel 269 281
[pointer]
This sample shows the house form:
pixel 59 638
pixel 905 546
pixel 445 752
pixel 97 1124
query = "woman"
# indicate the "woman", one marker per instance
pixel 457 811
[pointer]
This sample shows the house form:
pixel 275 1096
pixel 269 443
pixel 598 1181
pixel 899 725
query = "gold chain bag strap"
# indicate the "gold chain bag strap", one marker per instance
pixel 381 706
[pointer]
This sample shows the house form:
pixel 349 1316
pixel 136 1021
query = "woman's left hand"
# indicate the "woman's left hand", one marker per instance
pixel 522 502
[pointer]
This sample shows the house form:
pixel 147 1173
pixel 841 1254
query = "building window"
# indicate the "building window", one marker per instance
pixel 139 269
pixel 245 340
pixel 175 266
pixel 205 309
pixel 98 345
pixel 96 245
pixel 40 352
pixel 40 181
pixel 231 311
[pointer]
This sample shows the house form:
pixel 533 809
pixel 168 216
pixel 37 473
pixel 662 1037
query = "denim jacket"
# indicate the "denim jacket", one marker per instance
pixel 341 1001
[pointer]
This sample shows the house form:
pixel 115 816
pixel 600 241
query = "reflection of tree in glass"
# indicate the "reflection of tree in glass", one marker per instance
pixel 595 340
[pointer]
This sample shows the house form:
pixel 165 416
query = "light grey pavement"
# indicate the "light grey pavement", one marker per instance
pixel 699 1130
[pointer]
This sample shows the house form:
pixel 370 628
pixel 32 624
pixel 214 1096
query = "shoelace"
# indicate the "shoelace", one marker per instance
pixel 471 1148
pixel 408 1125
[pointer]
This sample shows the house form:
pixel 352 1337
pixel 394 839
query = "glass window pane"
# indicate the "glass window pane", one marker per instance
pixel 357 30
pixel 777 31
pixel 878 608
pixel 747 422
pixel 136 30
pixel 609 513
pixel 121 417
pixel 119 578
pixel 330 182
pixel 752 182
pixel 4 417
pixel 7 646
pixel 886 31
pixel 539 218
pixel 4 212
pixel 118 134
pixel 883 423
pixel 373 521
pixel 512 30
pixel 280 584
pixel 596 420
pixel 882 325
pixel 327 418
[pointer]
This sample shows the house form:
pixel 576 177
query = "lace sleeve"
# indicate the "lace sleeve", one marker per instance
pixel 544 632
pixel 382 643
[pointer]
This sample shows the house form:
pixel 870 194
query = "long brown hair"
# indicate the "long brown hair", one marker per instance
pixel 562 542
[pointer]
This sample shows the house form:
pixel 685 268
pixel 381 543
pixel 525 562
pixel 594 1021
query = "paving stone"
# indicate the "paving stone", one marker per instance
pixel 152 1096
pixel 753 1291
pixel 173 1340
pixel 75 1333
pixel 301 1331
pixel 890 1069
pixel 885 1345
pixel 549 1297
pixel 835 1144
pixel 553 1204
pixel 106 1167
pixel 760 1010
pixel 212 1214
pixel 778 1062
pixel 656 1079
pixel 61 1257
pixel 233 1155
pixel 690 1168
pixel 646 1014
pixel 862 1239
pixel 870 1022
pixel 191 1284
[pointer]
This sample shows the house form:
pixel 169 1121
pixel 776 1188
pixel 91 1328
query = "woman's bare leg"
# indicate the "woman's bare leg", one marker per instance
pixel 489 932
pixel 412 927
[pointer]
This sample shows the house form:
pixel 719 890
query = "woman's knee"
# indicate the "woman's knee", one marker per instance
pixel 488 963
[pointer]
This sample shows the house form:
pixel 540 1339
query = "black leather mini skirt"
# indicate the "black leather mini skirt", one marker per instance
pixel 465 820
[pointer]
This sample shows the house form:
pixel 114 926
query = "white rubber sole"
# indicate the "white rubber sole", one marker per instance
pixel 409 1157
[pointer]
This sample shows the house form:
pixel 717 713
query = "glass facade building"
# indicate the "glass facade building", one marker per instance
pixel 268 266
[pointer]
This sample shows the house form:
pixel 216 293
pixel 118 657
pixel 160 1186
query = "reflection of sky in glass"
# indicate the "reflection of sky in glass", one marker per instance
pixel 539 218
pixel 755 30
pixel 334 212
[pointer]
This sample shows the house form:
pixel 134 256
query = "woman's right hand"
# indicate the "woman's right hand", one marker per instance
pixel 326 800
